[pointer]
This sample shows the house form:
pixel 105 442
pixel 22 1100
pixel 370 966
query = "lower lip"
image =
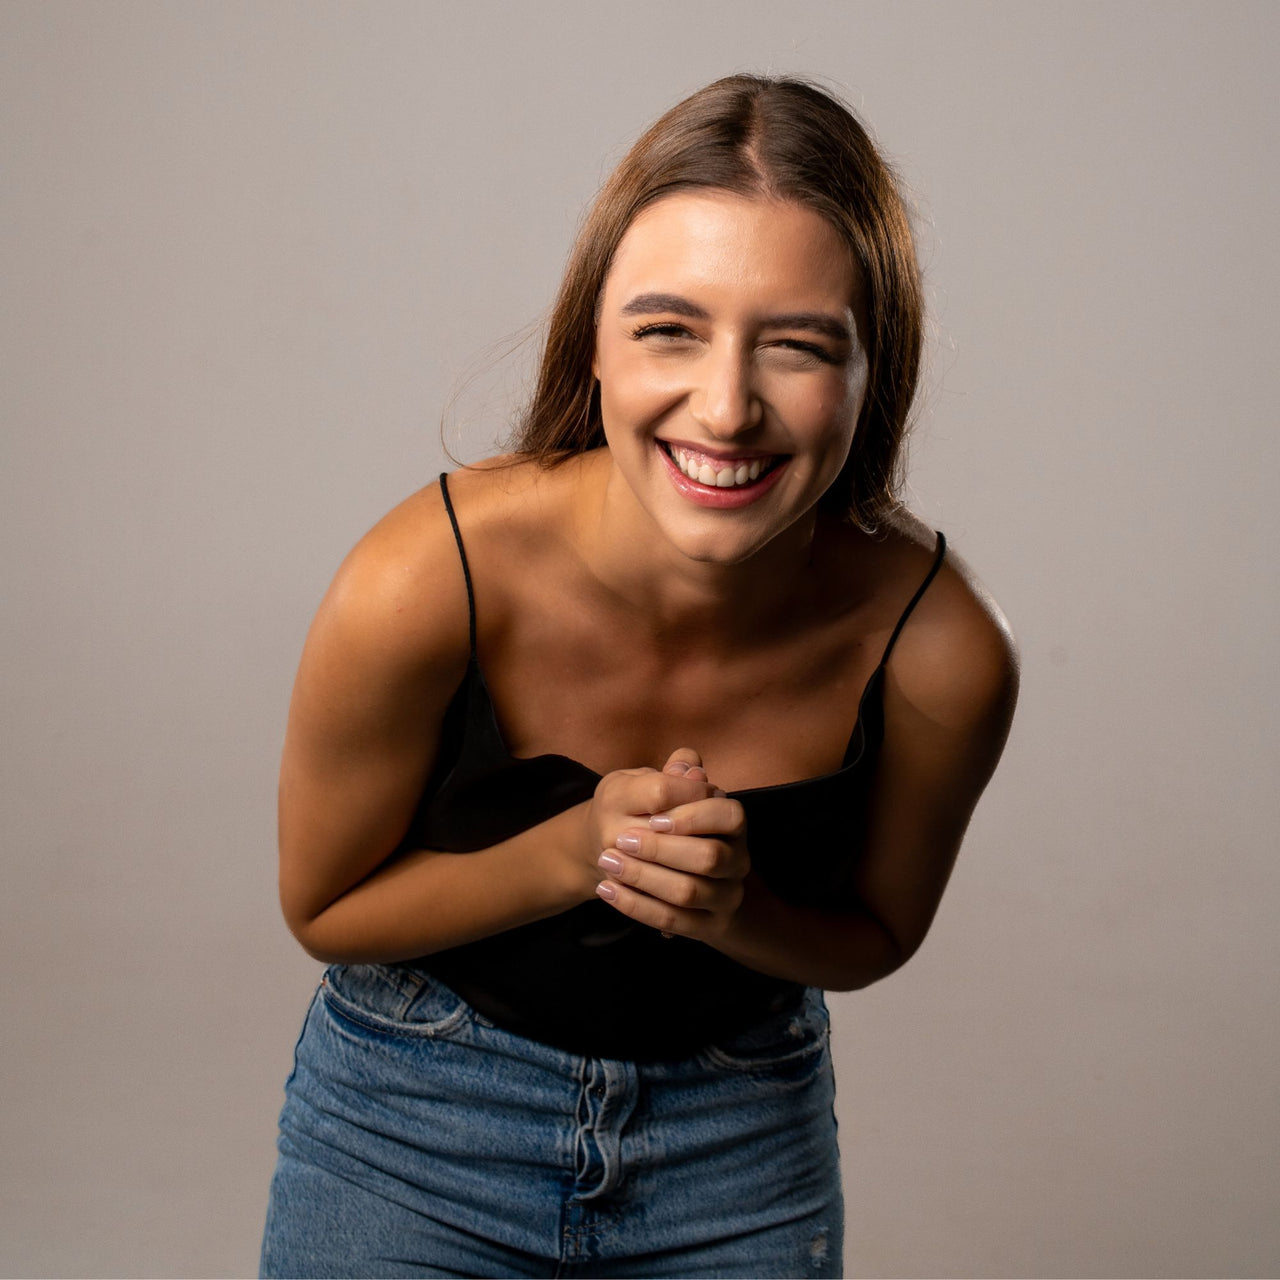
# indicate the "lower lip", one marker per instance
pixel 706 495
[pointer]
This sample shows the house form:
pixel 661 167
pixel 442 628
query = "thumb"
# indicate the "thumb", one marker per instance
pixel 685 762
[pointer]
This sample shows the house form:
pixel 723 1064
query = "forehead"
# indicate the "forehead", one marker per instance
pixel 778 252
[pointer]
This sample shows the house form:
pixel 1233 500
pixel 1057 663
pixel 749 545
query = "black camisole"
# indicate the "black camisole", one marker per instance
pixel 590 980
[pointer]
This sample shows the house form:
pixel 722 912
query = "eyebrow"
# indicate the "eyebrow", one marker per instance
pixel 644 304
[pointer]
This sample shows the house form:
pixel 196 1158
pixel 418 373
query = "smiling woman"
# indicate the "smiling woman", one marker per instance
pixel 744 357
pixel 606 757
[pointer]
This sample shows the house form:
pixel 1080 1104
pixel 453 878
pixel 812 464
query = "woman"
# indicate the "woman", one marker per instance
pixel 607 757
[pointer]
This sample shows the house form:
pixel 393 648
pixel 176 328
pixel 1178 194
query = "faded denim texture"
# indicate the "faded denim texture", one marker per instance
pixel 418 1139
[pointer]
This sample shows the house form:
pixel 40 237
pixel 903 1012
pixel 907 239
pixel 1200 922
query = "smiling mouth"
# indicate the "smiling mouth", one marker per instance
pixel 720 473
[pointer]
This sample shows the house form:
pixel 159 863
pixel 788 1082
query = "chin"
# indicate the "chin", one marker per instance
pixel 727 547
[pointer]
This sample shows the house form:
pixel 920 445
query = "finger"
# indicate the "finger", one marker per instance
pixel 716 815
pixel 681 760
pixel 694 855
pixel 669 920
pixel 641 792
pixel 677 888
pixel 685 762
pixel 659 792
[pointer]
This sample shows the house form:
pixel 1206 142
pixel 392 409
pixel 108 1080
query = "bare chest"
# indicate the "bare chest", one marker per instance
pixel 773 713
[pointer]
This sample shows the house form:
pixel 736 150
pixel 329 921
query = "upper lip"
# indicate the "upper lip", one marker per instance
pixel 722 455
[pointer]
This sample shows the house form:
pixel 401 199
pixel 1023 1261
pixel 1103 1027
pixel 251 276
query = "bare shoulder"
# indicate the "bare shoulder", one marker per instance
pixel 405 578
pixel 956 660
pixel 406 573
pixel 400 593
pixel 515 516
pixel 516 495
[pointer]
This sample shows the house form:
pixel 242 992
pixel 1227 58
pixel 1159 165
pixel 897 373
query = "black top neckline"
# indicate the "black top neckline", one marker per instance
pixel 475 678
pixel 589 980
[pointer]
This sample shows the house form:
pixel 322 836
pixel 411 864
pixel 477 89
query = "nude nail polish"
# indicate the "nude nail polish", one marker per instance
pixel 660 823
pixel 610 862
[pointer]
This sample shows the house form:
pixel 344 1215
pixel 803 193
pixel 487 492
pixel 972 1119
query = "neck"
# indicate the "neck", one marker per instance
pixel 694 602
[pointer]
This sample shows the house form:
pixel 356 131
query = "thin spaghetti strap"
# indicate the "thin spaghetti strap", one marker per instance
pixel 915 599
pixel 462 555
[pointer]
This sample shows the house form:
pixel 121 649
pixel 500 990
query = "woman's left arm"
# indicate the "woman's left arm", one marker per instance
pixel 948 699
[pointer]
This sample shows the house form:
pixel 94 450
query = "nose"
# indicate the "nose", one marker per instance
pixel 724 402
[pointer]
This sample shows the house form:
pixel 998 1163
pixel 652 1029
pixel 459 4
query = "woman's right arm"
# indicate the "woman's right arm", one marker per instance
pixel 384 656
pixel 388 648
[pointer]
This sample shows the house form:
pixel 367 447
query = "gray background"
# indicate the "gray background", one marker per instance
pixel 250 252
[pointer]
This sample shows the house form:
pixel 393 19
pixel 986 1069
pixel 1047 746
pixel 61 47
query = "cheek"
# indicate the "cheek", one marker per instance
pixel 843 406
pixel 634 391
pixel 828 412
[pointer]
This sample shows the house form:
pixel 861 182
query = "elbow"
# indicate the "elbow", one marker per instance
pixel 317 950
pixel 320 944
pixel 336 934
pixel 868 975
pixel 887 956
pixel 310 929
pixel 308 937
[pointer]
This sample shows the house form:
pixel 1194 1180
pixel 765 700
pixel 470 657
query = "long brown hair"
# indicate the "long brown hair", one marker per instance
pixel 755 136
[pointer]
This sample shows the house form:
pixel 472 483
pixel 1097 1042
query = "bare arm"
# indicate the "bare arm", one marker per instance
pixel 385 654
pixel 949 701
pixel 386 651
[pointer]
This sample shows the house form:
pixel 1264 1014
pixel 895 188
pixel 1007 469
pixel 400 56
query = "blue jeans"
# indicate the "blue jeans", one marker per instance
pixel 418 1139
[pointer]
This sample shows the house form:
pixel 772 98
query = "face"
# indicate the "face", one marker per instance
pixel 730 369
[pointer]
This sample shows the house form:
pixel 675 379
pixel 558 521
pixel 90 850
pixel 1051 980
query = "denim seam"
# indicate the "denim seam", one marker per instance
pixel 353 1012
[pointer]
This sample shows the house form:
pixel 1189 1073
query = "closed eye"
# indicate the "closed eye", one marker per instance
pixel 807 350
pixel 666 330
pixel 803 353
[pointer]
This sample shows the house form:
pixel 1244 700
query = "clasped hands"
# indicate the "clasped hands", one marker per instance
pixel 674 847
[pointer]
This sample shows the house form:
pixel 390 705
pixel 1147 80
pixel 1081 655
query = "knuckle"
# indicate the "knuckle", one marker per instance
pixel 668 920
pixel 685 894
pixel 735 817
pixel 711 857
pixel 657 791
pixel 625 791
pixel 609 786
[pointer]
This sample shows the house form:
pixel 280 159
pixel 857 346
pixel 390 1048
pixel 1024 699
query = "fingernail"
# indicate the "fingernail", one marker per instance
pixel 659 823
pixel 678 767
pixel 628 843
pixel 723 795
pixel 608 862
pixel 606 891
pixel 697 774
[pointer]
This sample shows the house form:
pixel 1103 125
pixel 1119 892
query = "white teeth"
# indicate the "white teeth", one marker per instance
pixel 728 477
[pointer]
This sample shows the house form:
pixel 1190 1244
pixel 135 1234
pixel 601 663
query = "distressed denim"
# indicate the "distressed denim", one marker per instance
pixel 418 1139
